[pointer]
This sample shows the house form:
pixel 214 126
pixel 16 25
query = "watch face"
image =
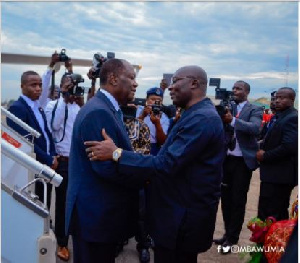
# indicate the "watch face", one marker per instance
pixel 115 155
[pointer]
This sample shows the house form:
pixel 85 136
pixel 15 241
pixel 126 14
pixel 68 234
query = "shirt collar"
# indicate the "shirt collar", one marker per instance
pixel 31 103
pixel 242 104
pixel 111 99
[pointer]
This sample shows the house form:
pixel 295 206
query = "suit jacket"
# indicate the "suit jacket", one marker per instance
pixel 280 163
pixel 247 127
pixel 23 111
pixel 184 190
pixel 106 203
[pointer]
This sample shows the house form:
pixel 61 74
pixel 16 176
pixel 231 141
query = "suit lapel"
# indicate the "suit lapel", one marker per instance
pixel 244 110
pixel 119 122
pixel 38 128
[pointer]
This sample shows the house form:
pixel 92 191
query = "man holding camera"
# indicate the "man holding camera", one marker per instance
pixel 157 121
pixel 239 163
pixel 61 115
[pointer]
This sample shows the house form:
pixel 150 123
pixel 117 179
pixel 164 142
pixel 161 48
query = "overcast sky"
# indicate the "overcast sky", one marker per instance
pixel 245 40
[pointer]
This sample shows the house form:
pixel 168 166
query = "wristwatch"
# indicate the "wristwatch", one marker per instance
pixel 117 154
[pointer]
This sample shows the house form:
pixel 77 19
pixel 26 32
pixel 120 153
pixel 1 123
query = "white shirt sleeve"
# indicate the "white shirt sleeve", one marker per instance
pixel 46 78
pixel 59 114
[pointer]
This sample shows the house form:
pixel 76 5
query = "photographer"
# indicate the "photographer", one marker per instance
pixel 48 92
pixel 240 161
pixel 61 115
pixel 157 121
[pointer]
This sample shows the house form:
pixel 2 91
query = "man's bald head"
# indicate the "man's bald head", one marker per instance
pixel 189 84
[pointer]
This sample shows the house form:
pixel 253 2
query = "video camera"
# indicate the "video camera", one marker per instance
pixel 98 61
pixel 76 90
pixel 62 56
pixel 226 98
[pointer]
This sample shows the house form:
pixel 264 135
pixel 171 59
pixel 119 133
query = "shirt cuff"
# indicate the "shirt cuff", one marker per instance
pixel 233 121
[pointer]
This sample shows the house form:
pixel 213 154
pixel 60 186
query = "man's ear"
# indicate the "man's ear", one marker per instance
pixel 112 79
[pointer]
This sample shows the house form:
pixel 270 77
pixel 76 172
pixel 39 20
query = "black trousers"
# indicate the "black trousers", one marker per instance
pixel 274 200
pixel 164 255
pixel 142 234
pixel 60 204
pixel 235 186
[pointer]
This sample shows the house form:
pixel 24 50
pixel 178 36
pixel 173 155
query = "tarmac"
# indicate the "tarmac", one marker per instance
pixel 130 255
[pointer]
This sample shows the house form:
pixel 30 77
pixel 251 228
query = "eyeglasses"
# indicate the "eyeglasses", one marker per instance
pixel 175 79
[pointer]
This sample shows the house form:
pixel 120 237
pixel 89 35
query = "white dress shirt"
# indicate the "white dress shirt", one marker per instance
pixel 62 147
pixel 35 106
pixel 237 150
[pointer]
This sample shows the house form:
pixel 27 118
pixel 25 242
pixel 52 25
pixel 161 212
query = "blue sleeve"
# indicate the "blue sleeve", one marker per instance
pixel 190 142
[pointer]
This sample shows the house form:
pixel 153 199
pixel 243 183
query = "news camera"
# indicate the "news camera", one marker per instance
pixel 76 90
pixel 226 98
pixel 62 56
pixel 98 61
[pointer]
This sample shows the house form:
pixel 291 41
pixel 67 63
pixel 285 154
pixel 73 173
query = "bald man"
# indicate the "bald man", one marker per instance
pixel 185 176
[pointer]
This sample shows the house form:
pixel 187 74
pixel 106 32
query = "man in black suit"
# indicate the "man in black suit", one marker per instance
pixel 278 158
pixel 28 109
pixel 239 163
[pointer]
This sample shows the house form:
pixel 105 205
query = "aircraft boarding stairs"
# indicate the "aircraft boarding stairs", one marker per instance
pixel 26 236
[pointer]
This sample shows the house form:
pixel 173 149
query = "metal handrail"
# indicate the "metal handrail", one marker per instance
pixel 18 121
pixel 35 166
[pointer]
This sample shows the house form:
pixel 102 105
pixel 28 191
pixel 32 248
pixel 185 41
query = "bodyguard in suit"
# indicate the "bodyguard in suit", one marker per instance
pixel 278 158
pixel 28 109
pixel 185 176
pixel 239 163
pixel 102 205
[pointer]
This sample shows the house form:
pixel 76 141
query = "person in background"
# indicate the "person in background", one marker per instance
pixel 278 158
pixel 29 110
pixel 239 163
pixel 154 118
pixel 61 114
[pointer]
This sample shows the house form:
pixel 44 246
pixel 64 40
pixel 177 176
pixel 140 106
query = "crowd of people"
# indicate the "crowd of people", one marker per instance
pixel 153 171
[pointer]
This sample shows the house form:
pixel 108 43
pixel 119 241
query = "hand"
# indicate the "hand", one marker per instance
pixel 90 74
pixel 54 59
pixel 79 100
pixel 55 163
pixel 146 111
pixel 260 155
pixel 227 117
pixel 69 65
pixel 101 151
pixel 155 119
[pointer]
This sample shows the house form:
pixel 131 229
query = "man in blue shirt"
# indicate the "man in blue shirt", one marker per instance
pixel 157 121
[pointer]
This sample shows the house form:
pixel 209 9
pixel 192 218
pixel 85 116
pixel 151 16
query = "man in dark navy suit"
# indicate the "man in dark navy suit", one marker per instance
pixel 278 158
pixel 102 205
pixel 28 109
pixel 185 176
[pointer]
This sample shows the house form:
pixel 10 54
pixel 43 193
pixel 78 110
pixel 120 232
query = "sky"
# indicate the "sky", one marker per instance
pixel 252 41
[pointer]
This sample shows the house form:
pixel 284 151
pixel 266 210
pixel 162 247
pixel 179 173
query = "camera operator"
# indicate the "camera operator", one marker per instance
pixel 239 163
pixel 157 121
pixel 61 115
